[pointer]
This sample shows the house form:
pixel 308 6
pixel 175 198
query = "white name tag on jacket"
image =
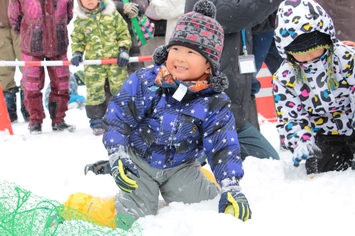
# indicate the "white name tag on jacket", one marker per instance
pixel 180 92
pixel 247 64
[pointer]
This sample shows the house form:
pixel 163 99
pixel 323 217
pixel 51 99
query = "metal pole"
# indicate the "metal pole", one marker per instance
pixel 68 63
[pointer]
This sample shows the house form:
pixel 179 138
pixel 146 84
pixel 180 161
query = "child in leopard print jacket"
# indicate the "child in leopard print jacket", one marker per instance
pixel 314 88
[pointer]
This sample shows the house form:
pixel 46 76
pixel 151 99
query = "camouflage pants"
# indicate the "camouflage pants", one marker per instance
pixel 95 79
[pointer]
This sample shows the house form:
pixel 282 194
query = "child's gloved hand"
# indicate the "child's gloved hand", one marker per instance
pixel 130 9
pixel 123 58
pixel 121 166
pixel 77 59
pixel 234 202
pixel 305 151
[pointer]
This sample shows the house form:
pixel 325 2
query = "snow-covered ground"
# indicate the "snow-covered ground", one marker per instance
pixel 283 199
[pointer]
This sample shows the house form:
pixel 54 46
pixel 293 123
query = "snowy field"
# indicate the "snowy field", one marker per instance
pixel 283 199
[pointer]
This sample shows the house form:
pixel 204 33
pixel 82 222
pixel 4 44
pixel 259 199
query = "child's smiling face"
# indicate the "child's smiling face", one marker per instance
pixel 186 64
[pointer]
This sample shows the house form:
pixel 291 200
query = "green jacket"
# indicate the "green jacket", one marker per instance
pixel 101 32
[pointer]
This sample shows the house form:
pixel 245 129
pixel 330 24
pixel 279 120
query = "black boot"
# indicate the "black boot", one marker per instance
pixel 10 99
pixel 60 126
pixel 35 129
pixel 25 114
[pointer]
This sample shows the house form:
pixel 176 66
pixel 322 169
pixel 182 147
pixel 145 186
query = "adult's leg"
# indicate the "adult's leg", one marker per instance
pixel 7 80
pixel 7 54
pixel 261 46
pixel 253 143
pixel 16 39
pixel 33 82
pixel 11 101
pixel 253 113
pixel 59 95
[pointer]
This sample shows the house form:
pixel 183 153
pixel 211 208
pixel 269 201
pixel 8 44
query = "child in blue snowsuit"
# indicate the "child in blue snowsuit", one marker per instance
pixel 165 117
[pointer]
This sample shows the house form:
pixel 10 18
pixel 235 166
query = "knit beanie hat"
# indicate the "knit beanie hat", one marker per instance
pixel 199 31
pixel 308 42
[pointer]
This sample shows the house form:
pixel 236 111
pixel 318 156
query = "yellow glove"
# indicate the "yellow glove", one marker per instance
pixel 121 165
pixel 237 206
pixel 233 201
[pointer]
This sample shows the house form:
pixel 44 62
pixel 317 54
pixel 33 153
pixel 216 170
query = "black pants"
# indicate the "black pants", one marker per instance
pixel 338 152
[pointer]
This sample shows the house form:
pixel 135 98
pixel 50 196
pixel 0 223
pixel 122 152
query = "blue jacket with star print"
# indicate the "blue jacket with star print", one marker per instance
pixel 166 132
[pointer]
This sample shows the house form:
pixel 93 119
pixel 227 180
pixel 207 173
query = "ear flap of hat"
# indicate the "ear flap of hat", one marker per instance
pixel 219 82
pixel 160 54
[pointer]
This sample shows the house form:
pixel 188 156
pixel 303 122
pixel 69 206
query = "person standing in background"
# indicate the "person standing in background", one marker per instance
pixel 159 38
pixel 169 10
pixel 130 10
pixel 42 26
pixel 264 50
pixel 100 32
pixel 10 51
pixel 234 16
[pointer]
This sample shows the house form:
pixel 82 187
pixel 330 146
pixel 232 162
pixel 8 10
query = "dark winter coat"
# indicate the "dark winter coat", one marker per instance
pixel 234 16
pixel 342 14
pixel 42 25
pixel 166 132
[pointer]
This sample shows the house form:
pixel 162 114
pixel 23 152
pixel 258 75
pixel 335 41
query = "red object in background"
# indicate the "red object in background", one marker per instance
pixel 5 123
pixel 264 98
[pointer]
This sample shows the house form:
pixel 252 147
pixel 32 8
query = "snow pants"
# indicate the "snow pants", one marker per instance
pixel 102 81
pixel 338 152
pixel 33 79
pixel 102 210
pixel 184 183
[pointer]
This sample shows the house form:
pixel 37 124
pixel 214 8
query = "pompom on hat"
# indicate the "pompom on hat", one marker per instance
pixel 199 31
pixel 308 42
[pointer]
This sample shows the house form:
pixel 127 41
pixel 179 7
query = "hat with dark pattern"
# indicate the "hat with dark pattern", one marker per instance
pixel 199 31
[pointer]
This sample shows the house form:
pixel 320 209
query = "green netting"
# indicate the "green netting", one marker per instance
pixel 23 213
